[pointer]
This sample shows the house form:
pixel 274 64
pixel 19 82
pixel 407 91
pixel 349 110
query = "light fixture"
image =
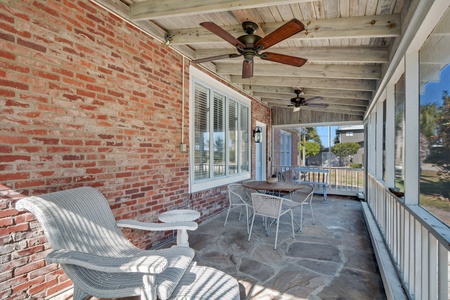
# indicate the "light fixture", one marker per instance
pixel 168 39
pixel 257 134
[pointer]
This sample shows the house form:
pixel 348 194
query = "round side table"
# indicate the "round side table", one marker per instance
pixel 180 215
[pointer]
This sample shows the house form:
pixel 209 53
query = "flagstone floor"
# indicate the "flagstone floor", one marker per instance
pixel 332 259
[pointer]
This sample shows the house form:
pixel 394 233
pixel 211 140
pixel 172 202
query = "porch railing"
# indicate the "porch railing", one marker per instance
pixel 417 241
pixel 348 181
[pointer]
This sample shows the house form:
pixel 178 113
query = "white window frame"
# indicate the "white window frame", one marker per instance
pixel 197 76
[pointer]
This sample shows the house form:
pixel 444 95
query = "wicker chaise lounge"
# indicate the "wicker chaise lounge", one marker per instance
pixel 101 262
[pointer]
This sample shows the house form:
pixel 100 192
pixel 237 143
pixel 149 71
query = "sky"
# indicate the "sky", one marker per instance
pixel 433 90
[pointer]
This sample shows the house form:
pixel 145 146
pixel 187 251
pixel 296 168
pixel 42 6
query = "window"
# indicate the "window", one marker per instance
pixel 285 148
pixel 399 132
pixel 220 122
pixel 434 126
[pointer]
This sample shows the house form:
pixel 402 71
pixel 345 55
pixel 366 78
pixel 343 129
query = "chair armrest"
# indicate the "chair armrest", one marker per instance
pixel 157 226
pixel 143 263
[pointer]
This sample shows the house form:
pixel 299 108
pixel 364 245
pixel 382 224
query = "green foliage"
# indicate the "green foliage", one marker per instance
pixel 344 151
pixel 443 121
pixel 312 135
pixel 441 159
pixel 355 165
pixel 312 148
pixel 428 116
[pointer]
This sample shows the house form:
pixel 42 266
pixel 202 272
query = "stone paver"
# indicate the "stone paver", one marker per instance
pixel 332 259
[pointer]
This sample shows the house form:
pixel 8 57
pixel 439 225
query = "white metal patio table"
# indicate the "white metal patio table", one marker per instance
pixel 180 215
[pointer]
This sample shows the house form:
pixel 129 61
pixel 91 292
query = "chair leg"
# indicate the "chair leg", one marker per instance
pixel 292 224
pixel 251 228
pixel 276 234
pixel 246 219
pixel 312 214
pixel 240 213
pixel 225 224
pixel 301 217
pixel 295 221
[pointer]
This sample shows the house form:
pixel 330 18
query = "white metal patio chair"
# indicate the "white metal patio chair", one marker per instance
pixel 101 262
pixel 301 197
pixel 269 206
pixel 238 197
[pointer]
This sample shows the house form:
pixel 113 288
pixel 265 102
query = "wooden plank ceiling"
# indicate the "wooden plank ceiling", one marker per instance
pixel 346 43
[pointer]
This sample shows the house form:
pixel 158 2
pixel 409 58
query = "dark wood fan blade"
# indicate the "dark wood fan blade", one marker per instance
pixel 217 57
pixel 217 30
pixel 247 69
pixel 316 105
pixel 284 59
pixel 292 27
pixel 314 99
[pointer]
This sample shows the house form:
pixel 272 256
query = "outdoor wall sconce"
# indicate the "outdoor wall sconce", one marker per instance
pixel 257 134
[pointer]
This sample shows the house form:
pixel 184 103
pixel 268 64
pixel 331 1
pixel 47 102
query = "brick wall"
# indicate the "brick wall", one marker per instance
pixel 86 99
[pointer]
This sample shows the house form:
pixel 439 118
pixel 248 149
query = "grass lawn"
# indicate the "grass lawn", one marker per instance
pixel 431 191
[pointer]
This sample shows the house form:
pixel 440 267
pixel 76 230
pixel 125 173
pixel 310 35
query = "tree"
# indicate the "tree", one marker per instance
pixel 441 159
pixel 443 121
pixel 312 135
pixel 312 148
pixel 344 151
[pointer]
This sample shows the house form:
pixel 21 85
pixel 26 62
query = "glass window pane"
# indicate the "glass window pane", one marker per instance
pixel 399 132
pixel 201 134
pixel 219 135
pixel 244 140
pixel 434 127
pixel 232 137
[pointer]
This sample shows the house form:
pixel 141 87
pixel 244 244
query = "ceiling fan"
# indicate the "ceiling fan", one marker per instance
pixel 251 45
pixel 299 101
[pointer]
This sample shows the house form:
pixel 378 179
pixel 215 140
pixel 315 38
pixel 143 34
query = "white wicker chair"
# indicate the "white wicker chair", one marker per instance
pixel 269 206
pixel 238 197
pixel 301 197
pixel 101 262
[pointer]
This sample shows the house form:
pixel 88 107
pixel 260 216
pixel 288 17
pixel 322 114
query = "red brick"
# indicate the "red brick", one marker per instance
pixel 12 229
pixel 14 84
pixel 13 140
pixel 7 93
pixel 46 75
pixel 31 45
pixel 7 37
pixel 7 55
pixel 45 8
pixel 13 158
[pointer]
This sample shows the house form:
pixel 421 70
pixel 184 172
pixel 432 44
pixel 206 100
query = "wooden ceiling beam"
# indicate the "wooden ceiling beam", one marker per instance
pixel 364 54
pixel 157 9
pixel 327 110
pixel 312 71
pixel 317 83
pixel 308 92
pixel 337 28
pixel 277 99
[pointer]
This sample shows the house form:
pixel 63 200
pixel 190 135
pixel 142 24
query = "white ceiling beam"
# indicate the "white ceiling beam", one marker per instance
pixel 337 28
pixel 157 9
pixel 318 54
pixel 308 92
pixel 318 83
pixel 326 110
pixel 312 71
pixel 280 99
